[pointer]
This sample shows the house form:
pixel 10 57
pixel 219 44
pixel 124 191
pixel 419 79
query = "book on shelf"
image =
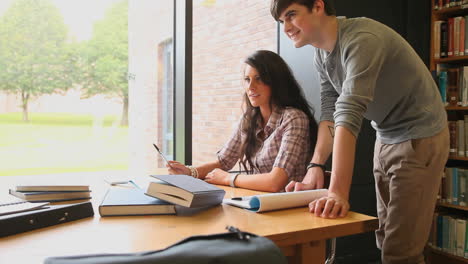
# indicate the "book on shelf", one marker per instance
pixel 466 35
pixel 460 237
pixel 276 201
pixel 453 138
pixel 132 201
pixel 461 138
pixel 55 214
pixel 442 81
pixel 437 25
pixel 185 191
pixel 54 196
pixel 465 133
pixel 453 186
pixel 50 188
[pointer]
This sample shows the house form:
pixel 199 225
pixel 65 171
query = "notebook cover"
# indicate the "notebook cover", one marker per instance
pixel 188 183
pixel 123 197
pixel 55 214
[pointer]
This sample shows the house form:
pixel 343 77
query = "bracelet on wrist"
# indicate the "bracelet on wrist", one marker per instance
pixel 233 179
pixel 193 171
pixel 322 166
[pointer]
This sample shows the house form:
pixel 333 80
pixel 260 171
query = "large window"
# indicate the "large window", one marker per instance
pixel 90 85
pixel 85 86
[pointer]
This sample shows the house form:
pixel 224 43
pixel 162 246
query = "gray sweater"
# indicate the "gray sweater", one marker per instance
pixel 374 73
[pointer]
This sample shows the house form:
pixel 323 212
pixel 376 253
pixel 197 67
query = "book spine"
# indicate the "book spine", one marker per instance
pixel 462 37
pixel 455 186
pixel 437 39
pixel 453 235
pixel 451 36
pixel 439 231
pixel 461 226
pixel 443 188
pixel 466 240
pixel 448 185
pixel 462 186
pixel 32 220
pixel 460 86
pixel 466 36
pixel 445 233
pixel 444 39
pixel 453 86
pixel 465 117
pixel 453 138
pixel 464 84
pixel 443 86
pixel 456 36
pixel 461 137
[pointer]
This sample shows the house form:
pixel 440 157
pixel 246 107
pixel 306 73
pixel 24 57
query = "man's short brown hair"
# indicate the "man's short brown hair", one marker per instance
pixel 278 6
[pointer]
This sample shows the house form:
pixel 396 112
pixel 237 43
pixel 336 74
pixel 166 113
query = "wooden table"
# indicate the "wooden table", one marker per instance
pixel 299 234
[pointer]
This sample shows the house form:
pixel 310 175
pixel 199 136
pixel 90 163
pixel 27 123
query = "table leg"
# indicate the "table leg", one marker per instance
pixel 309 253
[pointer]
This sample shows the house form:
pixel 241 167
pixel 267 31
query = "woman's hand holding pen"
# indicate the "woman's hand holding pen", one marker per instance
pixel 175 167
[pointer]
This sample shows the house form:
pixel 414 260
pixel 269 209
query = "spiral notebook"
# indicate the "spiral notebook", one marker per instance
pixel 17 205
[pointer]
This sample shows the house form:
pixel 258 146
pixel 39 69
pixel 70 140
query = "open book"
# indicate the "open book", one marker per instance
pixel 276 201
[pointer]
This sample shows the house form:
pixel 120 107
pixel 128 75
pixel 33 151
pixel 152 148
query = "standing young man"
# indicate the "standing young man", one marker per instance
pixel 368 70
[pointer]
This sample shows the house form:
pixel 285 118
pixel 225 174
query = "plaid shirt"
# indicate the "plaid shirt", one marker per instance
pixel 285 143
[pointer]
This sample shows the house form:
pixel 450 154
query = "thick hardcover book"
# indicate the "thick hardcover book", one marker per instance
pixel 185 190
pixel 51 196
pixel 124 201
pixel 55 214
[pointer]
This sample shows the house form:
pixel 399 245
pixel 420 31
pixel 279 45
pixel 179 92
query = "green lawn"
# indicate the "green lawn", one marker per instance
pixel 58 143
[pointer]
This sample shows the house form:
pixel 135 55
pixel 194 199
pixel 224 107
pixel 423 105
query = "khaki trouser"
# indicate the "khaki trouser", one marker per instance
pixel 407 178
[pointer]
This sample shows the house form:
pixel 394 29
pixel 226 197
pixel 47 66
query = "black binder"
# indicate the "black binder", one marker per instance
pixel 53 215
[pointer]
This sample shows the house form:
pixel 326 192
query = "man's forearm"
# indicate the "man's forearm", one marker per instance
pixel 344 148
pixel 324 144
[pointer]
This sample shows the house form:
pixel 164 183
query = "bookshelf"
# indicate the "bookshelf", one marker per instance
pixel 454 112
pixel 458 207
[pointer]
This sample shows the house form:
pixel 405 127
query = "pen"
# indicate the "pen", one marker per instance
pixel 242 198
pixel 160 153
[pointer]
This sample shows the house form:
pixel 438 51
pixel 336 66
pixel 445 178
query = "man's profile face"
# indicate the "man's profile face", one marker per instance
pixel 301 25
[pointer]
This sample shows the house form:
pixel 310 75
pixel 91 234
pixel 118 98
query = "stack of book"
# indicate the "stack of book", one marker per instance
pixel 161 197
pixel 51 193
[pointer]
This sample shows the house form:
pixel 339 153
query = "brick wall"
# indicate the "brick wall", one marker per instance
pixel 224 33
